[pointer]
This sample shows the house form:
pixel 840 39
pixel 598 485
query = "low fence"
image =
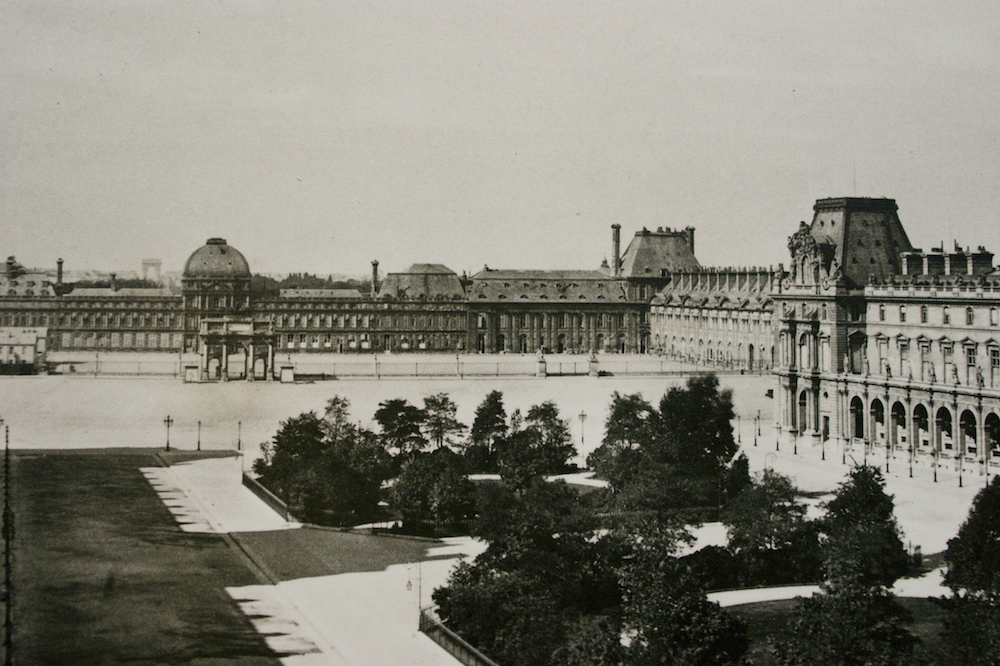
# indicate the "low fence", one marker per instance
pixel 452 643
pixel 266 496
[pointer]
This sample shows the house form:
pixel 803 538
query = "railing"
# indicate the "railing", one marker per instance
pixel 452 643
pixel 266 496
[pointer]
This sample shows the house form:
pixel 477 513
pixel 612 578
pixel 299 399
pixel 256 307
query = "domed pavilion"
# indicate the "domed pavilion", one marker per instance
pixel 218 318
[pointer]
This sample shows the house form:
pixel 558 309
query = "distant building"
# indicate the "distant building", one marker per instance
pixel 22 350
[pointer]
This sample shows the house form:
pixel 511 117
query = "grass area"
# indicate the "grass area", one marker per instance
pixel 769 620
pixel 308 552
pixel 103 575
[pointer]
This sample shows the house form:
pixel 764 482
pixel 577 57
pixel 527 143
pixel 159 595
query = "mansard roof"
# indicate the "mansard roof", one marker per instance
pixel 423 282
pixel 546 286
pixel 658 253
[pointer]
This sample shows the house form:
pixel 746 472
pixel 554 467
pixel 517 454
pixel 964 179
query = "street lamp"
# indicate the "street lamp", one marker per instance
pixel 739 435
pixel 199 435
pixel 583 417
pixel 168 422
pixel 239 435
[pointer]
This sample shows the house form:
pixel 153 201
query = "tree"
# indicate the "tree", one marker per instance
pixel 434 486
pixel 973 555
pixel 769 534
pixel 847 628
pixel 556 446
pixel 488 429
pixel 666 613
pixel 440 424
pixel 627 432
pixel 400 422
pixel 863 546
pixel 695 427
pixel 327 470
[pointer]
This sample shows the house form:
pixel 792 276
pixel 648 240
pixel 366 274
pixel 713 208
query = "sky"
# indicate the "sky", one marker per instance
pixel 319 136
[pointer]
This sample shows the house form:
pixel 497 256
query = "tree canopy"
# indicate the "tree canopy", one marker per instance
pixel 973 555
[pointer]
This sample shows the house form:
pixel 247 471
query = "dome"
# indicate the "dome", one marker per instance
pixel 216 259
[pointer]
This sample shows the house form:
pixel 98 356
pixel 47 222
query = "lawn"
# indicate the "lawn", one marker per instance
pixel 103 575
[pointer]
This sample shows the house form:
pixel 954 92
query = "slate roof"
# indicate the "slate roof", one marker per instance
pixel 651 253
pixel 423 282
pixel 537 286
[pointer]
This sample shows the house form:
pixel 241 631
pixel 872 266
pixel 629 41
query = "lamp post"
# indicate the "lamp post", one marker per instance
pixel 739 435
pixel 199 435
pixel 239 435
pixel 168 422
pixel 756 429
pixel 583 417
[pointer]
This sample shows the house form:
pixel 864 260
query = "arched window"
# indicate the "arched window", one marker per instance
pixel 923 314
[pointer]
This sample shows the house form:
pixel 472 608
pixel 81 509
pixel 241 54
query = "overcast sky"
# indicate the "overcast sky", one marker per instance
pixel 319 136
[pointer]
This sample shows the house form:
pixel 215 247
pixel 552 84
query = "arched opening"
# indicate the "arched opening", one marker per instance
pixel 857 418
pixel 921 426
pixel 522 343
pixel 620 346
pixel 992 424
pixel 945 440
pixel 967 444
pixel 481 343
pixel 560 343
pixel 501 342
pixel 897 432
pixel 804 412
pixel 750 358
pixel 600 342
pixel 878 422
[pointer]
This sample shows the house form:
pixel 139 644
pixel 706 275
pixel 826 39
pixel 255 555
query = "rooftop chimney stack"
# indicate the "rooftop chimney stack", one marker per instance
pixel 59 271
pixel 374 278
pixel 616 249
pixel 114 282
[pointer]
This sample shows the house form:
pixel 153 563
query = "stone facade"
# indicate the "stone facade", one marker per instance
pixel 881 345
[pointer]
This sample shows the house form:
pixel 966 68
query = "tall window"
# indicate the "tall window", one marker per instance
pixel 881 312
pixel 902 313
pixel 923 314
pixel 946 316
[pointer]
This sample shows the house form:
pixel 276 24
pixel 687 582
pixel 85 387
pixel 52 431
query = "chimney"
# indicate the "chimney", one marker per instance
pixel 689 232
pixel 59 271
pixel 616 249
pixel 374 278
pixel 114 282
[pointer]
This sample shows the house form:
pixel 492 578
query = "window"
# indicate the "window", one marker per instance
pixel 994 317
pixel 946 317
pixel 923 314
pixel 902 313
pixel 881 313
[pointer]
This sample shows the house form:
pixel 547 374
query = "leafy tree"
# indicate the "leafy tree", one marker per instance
pixel 434 486
pixel 327 470
pixel 440 424
pixel 627 432
pixel 400 422
pixel 544 446
pixel 863 545
pixel 556 446
pixel 971 632
pixel 666 614
pixel 696 429
pixel 850 627
pixel 769 534
pixel 488 428
pixel 973 555
pixel 593 640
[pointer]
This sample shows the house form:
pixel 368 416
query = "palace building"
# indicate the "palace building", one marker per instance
pixel 884 345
